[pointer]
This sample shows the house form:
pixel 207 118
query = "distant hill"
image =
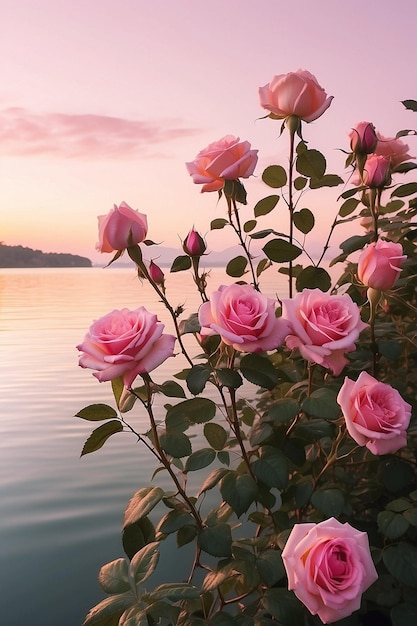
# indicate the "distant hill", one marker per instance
pixel 18 256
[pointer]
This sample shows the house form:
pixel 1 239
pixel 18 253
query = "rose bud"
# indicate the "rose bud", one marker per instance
pixel 194 245
pixel 363 138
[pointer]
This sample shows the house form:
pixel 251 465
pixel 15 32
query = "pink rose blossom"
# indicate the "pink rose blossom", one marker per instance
pixel 323 327
pixel 125 343
pixel 377 171
pixel 363 138
pixel 329 566
pixel 296 93
pixel 194 244
pixel 393 149
pixel 226 159
pixel 120 228
pixel 376 416
pixel 379 264
pixel 244 318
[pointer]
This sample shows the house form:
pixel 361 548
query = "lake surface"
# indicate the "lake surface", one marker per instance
pixel 61 515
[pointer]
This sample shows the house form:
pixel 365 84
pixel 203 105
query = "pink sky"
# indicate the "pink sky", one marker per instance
pixel 104 101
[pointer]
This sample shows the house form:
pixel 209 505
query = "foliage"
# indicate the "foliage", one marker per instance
pixel 263 435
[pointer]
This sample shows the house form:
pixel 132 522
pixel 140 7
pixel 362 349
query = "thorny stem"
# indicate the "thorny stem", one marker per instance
pixel 174 316
pixel 291 208
pixel 231 204
pixel 200 281
pixel 161 454
pixel 332 458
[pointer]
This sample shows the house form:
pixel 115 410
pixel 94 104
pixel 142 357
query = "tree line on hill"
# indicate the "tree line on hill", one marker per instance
pixel 19 256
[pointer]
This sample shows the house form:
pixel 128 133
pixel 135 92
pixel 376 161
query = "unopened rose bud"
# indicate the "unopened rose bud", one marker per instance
pixel 377 172
pixel 363 138
pixel 156 273
pixel 194 245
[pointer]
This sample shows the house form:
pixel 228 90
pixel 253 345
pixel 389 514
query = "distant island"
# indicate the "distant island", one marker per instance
pixel 18 256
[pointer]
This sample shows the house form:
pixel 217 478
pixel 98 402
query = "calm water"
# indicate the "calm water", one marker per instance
pixel 61 514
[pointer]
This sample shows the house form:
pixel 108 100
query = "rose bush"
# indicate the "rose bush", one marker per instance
pixel 290 426
pixel 329 566
pixel 376 415
pixel 244 318
pixel 225 159
pixel 124 344
pixel 379 265
pixel 323 327
pixel 120 228
pixel 296 93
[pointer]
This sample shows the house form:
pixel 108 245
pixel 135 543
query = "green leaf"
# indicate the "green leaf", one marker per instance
pixel 197 378
pixel 229 378
pixel 239 491
pixel 392 525
pixel 328 180
pixel 401 561
pixel 190 325
pixel 262 266
pixel 135 616
pixel 284 606
pixel 216 435
pixel 330 502
pixel 142 503
pixel 271 468
pixel 300 182
pixel 348 207
pixel 213 479
pixel 118 387
pixel 259 370
pixel 311 163
pixel 402 168
pixel 303 492
pixel 406 613
pixel 356 242
pixel 237 267
pixel 283 410
pixel 175 443
pixel 113 577
pixel 186 534
pixel 174 592
pixel 404 190
pixel 99 436
pixel 172 389
pixel 281 251
pixel 108 611
pixel 265 206
pixel 144 563
pixel 218 223
pixel 249 225
pixel 410 104
pixel 313 277
pixel 304 220
pixel 216 540
pixel 270 567
pixel 196 410
pixel 396 474
pixel 322 403
pixel 137 535
pixel 199 459
pixel 174 520
pixel 97 412
pixel 181 263
pixel 274 176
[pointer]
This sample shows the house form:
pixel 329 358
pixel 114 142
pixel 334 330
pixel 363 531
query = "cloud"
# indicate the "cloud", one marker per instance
pixel 24 133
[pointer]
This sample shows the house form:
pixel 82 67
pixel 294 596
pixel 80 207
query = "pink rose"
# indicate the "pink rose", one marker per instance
pixel 194 244
pixel 323 327
pixel 393 149
pixel 244 318
pixel 329 566
pixel 125 343
pixel 363 138
pixel 226 159
pixel 156 273
pixel 376 415
pixel 120 228
pixel 297 93
pixel 377 171
pixel 379 264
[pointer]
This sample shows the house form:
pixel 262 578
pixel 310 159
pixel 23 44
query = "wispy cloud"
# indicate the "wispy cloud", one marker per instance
pixel 25 133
